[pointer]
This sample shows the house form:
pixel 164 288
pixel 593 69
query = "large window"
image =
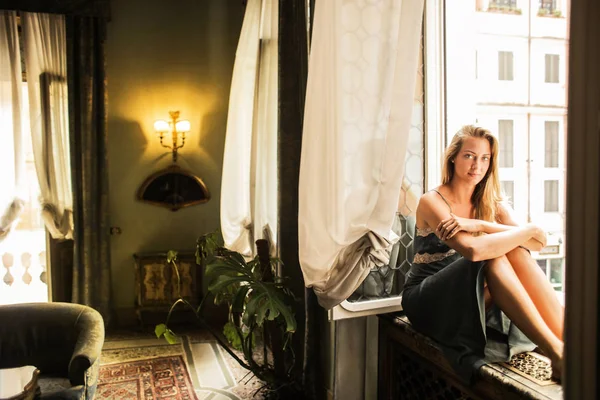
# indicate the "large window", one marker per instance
pixel 531 138
pixel 470 70
pixel 508 188
pixel 23 251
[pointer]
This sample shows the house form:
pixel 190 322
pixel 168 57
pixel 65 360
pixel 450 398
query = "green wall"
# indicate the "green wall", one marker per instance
pixel 161 56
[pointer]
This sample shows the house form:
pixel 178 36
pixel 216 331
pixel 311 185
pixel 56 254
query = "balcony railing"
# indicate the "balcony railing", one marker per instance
pixel 23 267
pixel 503 6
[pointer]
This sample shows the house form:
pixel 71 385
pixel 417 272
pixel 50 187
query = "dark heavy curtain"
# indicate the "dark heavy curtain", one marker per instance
pixel 293 68
pixel 87 123
pixel 81 268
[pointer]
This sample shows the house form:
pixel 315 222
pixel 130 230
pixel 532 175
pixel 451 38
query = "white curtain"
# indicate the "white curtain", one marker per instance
pixel 361 82
pixel 45 59
pixel 12 152
pixel 249 180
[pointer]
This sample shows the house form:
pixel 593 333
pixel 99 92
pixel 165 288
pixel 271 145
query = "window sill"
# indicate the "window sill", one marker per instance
pixel 400 344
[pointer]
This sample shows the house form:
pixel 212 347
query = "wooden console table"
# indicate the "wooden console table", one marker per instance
pixel 156 283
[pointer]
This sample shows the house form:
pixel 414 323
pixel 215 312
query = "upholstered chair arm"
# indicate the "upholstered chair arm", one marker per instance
pixel 88 345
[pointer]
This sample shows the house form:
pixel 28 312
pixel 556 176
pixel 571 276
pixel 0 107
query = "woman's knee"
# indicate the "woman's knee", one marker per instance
pixel 518 252
pixel 498 260
pixel 498 263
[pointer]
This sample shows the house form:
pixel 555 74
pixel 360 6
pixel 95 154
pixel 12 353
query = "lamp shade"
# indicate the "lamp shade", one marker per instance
pixel 182 126
pixel 161 126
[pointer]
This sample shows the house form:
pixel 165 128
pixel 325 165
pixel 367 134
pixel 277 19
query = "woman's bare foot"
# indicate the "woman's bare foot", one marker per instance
pixel 556 360
pixel 557 370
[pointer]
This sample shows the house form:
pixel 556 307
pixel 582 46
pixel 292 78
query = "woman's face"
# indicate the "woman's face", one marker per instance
pixel 473 160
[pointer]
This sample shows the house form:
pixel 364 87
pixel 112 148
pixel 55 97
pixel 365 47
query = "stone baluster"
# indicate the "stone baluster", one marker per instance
pixel 7 262
pixel 43 265
pixel 26 263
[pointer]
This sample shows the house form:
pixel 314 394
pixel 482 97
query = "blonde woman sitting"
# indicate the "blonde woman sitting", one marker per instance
pixel 473 285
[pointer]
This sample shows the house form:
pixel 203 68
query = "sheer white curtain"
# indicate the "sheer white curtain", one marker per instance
pixel 361 82
pixel 249 181
pixel 12 153
pixel 45 59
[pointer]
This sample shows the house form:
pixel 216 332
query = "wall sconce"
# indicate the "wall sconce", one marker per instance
pixel 177 129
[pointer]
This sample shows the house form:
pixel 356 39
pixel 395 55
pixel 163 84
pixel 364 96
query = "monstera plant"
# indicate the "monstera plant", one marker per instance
pixel 260 311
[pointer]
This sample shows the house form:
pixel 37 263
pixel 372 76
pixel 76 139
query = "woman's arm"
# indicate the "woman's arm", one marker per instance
pixel 451 226
pixel 475 248
pixel 505 218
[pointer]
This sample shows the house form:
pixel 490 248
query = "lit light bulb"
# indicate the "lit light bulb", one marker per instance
pixel 183 126
pixel 161 126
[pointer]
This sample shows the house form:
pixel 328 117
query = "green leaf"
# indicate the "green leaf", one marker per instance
pixel 218 268
pixel 232 336
pixel 237 306
pixel 160 330
pixel 253 306
pixel 261 312
pixel 171 337
pixel 287 314
pixel 171 256
pixel 224 281
pixel 221 265
pixel 237 258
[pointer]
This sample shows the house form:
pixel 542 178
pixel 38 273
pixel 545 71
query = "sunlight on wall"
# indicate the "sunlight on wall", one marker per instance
pixel 153 69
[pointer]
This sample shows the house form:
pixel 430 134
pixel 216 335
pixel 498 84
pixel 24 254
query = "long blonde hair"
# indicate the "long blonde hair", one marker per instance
pixel 487 193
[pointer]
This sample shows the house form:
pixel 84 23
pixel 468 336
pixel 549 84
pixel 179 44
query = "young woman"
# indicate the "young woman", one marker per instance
pixel 473 285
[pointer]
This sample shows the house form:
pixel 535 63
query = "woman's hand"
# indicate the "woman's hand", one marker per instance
pixel 451 226
pixel 538 234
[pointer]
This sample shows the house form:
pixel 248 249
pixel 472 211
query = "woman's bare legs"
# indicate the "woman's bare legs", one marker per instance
pixel 537 286
pixel 510 295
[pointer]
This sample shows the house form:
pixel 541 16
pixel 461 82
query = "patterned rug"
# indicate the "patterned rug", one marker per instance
pixel 155 378
pixel 214 374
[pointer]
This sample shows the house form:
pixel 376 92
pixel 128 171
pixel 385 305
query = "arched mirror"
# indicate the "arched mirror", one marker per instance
pixel 173 188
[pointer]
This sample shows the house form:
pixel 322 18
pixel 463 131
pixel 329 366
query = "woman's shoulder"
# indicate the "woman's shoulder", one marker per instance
pixel 430 200
pixel 433 195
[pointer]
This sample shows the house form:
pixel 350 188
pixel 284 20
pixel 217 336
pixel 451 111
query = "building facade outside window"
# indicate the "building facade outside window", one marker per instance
pixel 515 85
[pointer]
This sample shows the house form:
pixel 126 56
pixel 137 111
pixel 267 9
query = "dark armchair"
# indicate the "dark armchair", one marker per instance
pixel 62 340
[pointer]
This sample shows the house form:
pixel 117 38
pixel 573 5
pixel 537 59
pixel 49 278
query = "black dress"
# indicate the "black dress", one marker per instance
pixel 444 299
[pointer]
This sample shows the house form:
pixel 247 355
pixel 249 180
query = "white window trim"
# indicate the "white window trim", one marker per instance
pixel 435 94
